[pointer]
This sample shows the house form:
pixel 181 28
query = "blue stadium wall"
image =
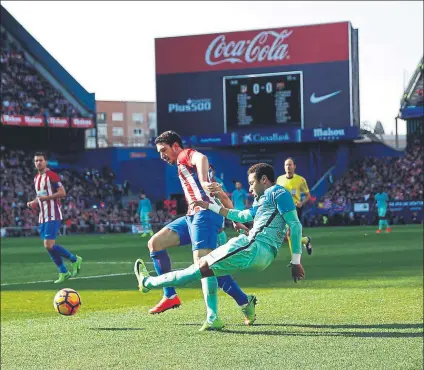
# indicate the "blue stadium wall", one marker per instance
pixel 143 168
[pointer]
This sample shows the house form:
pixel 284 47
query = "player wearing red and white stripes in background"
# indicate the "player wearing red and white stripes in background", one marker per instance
pixel 199 228
pixel 49 191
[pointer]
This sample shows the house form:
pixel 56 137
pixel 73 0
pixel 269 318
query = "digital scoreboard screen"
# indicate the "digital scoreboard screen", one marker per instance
pixel 263 100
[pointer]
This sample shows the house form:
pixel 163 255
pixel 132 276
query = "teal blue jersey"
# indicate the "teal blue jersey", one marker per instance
pixel 381 199
pixel 267 214
pixel 239 198
pixel 220 182
pixel 144 206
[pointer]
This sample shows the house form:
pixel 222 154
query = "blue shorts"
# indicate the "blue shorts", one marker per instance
pixel 200 230
pixel 49 230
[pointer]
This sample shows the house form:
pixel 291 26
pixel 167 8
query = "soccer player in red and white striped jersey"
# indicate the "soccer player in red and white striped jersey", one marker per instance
pixel 49 191
pixel 199 228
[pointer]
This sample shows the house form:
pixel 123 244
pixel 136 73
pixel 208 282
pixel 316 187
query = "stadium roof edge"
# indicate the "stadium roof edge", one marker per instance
pixel 412 81
pixel 249 30
pixel 44 57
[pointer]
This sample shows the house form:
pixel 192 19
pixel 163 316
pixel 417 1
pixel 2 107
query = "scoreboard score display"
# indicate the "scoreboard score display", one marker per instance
pixel 263 100
pixel 287 84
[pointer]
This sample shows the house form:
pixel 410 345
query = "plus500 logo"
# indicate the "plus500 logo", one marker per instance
pixel 197 105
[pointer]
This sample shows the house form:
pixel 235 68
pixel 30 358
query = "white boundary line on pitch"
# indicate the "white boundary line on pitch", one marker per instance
pixel 82 277
pixel 86 277
pixel 130 263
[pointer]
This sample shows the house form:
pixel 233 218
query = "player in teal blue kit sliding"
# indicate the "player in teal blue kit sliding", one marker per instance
pixel 144 209
pixel 272 210
pixel 382 198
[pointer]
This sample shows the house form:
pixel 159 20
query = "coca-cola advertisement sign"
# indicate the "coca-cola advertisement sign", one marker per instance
pixel 60 122
pixel 253 49
pixel 82 123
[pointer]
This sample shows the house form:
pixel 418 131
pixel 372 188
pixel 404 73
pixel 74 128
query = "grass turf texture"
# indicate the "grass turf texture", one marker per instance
pixel 360 308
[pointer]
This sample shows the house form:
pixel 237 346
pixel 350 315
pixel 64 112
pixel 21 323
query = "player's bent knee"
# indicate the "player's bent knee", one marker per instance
pixel 153 244
pixel 164 239
pixel 204 268
pixel 48 244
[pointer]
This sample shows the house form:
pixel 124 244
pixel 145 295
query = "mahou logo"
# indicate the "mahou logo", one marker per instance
pixel 34 121
pixel 266 45
pixel 82 122
pixel 12 120
pixel 58 121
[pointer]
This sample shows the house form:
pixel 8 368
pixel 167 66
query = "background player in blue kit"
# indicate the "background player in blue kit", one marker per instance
pixel 382 199
pixel 144 211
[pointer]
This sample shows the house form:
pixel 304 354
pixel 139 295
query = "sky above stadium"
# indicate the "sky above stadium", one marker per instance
pixel 108 47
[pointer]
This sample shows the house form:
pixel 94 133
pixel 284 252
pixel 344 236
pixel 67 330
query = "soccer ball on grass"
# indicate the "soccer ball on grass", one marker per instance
pixel 67 302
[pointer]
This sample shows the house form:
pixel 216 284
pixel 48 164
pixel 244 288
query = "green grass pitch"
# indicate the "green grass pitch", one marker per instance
pixel 360 307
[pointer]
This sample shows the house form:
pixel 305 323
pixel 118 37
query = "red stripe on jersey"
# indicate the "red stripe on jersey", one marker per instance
pixel 37 189
pixel 56 210
pixel 49 215
pixel 186 186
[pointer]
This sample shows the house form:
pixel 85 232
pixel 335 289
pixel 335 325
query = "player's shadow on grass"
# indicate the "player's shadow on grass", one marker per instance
pixel 348 326
pixel 116 329
pixel 348 334
pixel 328 334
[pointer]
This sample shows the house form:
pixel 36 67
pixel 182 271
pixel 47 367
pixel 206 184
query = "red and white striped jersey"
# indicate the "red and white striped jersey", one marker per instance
pixel 187 172
pixel 47 184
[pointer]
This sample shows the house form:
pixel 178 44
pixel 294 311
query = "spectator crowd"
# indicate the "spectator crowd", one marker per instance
pixel 24 90
pixel 401 177
pixel 94 203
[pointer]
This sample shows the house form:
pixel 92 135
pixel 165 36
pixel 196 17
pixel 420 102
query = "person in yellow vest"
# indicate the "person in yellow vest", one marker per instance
pixel 296 185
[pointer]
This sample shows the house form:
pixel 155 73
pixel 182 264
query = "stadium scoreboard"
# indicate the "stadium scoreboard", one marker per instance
pixel 263 100
pixel 288 84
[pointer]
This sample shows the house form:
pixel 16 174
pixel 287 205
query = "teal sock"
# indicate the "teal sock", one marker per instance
pixel 222 238
pixel 380 224
pixel 387 224
pixel 174 278
pixel 210 293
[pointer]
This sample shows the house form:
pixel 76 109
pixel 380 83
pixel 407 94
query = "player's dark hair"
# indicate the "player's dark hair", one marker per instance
pixel 294 162
pixel 261 169
pixel 41 154
pixel 169 137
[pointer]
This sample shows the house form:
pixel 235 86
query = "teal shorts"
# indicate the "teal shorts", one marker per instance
pixel 382 211
pixel 144 217
pixel 240 254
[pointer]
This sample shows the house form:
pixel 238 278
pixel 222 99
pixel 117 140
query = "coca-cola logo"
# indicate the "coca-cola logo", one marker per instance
pixel 266 45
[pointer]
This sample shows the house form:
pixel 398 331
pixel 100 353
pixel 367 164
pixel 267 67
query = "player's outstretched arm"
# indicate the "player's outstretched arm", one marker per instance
pixel 202 165
pixel 232 214
pixel 298 273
